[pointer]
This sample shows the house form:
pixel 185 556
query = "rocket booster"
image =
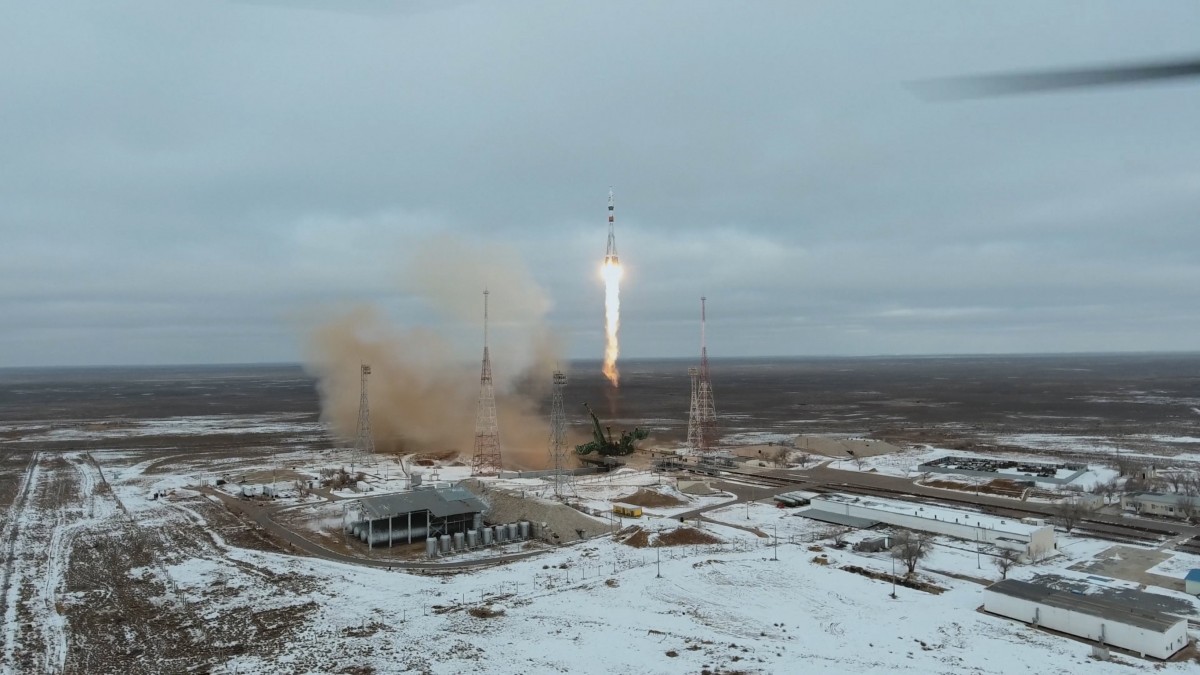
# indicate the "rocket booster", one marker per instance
pixel 610 255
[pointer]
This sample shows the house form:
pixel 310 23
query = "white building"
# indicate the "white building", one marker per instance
pixel 1032 538
pixel 1168 504
pixel 1191 583
pixel 1103 620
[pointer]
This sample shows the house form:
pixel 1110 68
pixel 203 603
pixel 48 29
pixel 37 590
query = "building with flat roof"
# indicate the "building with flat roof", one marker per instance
pixel 1168 504
pixel 1191 583
pixel 405 517
pixel 984 467
pixel 1126 624
pixel 1032 538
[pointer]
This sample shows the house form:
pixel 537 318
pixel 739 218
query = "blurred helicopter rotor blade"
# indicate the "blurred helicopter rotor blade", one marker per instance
pixel 1009 84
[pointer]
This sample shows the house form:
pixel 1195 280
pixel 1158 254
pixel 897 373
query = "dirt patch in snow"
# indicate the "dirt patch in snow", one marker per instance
pixel 680 536
pixel 900 580
pixel 651 499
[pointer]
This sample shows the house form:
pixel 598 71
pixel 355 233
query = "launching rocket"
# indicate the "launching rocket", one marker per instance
pixel 610 256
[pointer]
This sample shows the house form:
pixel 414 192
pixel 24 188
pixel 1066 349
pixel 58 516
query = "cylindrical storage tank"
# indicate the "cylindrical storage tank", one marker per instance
pixel 380 536
pixel 501 533
pixel 354 529
pixel 445 543
pixel 472 538
pixel 478 521
pixel 512 532
pixel 523 528
pixel 459 541
pixel 431 548
pixel 363 530
pixel 488 540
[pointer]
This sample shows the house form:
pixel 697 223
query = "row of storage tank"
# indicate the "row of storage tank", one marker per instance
pixel 378 533
pixel 483 536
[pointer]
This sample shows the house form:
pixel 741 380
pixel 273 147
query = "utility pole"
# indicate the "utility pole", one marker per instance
pixel 776 543
pixel 658 561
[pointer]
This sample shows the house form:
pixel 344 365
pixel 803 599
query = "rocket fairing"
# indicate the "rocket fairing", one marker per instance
pixel 610 255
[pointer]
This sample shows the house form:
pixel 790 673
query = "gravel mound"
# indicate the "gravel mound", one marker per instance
pixel 552 522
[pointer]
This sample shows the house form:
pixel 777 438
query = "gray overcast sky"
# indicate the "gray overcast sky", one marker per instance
pixel 199 182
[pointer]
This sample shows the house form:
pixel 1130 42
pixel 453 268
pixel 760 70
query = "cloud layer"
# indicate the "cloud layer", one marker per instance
pixel 204 183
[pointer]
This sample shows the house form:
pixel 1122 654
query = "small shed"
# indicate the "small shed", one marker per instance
pixel 1191 583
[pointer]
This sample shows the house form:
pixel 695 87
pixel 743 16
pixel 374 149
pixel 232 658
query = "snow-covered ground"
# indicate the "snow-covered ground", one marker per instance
pixel 601 607
pixel 771 597
pixel 195 425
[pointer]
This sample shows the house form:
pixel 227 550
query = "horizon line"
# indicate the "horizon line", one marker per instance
pixel 644 359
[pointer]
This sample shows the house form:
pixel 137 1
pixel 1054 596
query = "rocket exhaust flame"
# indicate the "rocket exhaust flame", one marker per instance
pixel 611 272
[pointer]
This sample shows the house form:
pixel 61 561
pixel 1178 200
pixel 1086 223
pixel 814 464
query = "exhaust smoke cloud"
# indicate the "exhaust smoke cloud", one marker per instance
pixel 424 382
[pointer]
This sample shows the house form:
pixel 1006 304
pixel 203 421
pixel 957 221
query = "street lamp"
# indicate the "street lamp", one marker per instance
pixel 978 547
pixel 893 576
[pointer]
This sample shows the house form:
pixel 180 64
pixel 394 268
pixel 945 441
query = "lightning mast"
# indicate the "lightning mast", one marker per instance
pixel 486 459
pixel 706 414
pixel 693 436
pixel 558 432
pixel 364 443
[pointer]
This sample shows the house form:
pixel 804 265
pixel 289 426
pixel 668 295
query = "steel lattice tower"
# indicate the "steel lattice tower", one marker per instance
pixel 364 443
pixel 486 460
pixel 558 432
pixel 693 436
pixel 706 414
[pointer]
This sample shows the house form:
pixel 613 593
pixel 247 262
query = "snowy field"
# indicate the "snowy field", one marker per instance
pixel 195 584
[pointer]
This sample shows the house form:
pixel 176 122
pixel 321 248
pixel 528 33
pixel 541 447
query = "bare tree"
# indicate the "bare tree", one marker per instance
pixel 1192 485
pixel 1188 506
pixel 779 457
pixel 1005 561
pixel 1176 479
pixel 1125 465
pixel 1106 489
pixel 803 459
pixel 910 547
pixel 1070 511
pixel 838 535
pixel 858 461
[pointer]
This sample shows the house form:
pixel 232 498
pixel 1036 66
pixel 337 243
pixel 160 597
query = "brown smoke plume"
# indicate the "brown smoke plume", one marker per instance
pixel 422 389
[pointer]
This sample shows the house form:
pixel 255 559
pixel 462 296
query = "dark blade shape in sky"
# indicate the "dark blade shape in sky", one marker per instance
pixel 1008 84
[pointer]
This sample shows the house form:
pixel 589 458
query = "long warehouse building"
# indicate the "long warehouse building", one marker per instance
pixel 1032 538
pixel 1106 621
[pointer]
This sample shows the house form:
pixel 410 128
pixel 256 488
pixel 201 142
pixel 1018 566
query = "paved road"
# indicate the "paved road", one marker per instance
pixel 743 493
pixel 262 517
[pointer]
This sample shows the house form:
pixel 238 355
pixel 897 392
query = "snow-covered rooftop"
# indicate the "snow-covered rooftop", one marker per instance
pixel 972 518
